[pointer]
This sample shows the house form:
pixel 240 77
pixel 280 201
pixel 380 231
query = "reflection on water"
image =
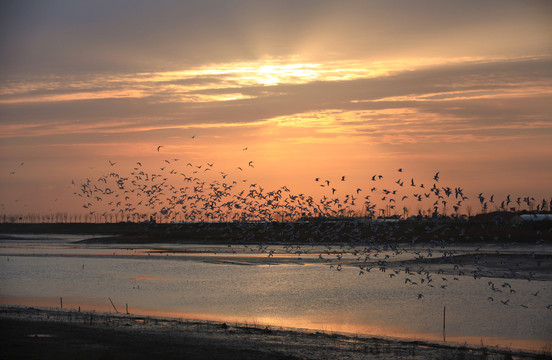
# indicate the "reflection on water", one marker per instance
pixel 199 284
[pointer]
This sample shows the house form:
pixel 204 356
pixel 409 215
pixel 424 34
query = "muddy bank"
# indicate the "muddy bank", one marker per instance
pixel 40 333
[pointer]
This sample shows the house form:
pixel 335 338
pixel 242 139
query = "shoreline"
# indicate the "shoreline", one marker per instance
pixel 30 330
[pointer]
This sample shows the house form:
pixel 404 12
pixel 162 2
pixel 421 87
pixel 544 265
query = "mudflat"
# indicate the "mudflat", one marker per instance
pixel 46 333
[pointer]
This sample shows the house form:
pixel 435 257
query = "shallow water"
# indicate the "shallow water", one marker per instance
pixel 191 283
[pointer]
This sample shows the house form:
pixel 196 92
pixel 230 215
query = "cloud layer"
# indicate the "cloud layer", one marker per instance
pixel 464 86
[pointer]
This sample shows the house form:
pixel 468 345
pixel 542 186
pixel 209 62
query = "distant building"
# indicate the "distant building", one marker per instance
pixel 536 217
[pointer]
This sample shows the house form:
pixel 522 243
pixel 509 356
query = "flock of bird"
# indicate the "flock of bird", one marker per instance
pixel 186 192
pixel 181 193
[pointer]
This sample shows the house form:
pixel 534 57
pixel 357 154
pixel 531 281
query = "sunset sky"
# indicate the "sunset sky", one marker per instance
pixel 304 89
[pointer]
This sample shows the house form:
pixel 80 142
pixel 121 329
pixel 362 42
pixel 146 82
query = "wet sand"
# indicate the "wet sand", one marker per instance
pixel 503 263
pixel 46 333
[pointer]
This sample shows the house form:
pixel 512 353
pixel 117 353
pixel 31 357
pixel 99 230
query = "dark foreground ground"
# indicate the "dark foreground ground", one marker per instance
pixel 32 333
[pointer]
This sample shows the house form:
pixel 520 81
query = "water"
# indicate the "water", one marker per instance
pixel 196 284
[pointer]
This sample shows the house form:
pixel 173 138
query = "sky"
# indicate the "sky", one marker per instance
pixel 304 89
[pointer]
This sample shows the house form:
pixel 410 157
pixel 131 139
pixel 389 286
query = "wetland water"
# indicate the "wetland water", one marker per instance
pixel 288 288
